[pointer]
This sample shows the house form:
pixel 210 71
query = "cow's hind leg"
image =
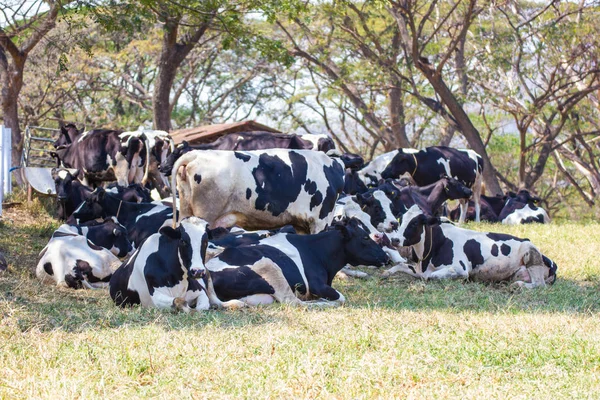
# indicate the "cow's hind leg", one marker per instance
pixel 538 271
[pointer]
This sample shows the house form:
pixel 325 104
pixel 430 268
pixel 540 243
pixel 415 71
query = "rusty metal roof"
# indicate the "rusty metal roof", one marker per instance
pixel 209 133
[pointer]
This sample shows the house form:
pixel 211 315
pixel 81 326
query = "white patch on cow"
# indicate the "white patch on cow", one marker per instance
pixel 279 241
pixel 62 174
pixel 347 207
pixel 446 164
pixel 519 215
pixel 386 204
pixel 409 150
pixel 376 167
pixel 82 136
pixel 314 139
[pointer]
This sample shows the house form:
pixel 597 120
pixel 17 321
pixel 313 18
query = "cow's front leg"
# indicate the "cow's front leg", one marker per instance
pixel 166 301
pixel 464 204
pixel 449 272
pixel 328 293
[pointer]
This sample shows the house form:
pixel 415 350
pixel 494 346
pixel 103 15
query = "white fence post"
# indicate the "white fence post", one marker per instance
pixel 1 167
pixel 7 160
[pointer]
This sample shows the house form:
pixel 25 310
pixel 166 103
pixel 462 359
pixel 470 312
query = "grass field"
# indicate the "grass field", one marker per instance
pixel 395 338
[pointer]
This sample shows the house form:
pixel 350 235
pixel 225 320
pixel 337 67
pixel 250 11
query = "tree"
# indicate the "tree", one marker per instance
pixel 25 26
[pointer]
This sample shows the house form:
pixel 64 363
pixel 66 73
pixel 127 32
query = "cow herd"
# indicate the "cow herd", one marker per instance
pixel 257 217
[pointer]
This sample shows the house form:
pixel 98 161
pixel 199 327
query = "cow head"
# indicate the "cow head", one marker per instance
pixel 526 197
pixel 402 163
pixel 379 207
pixel 67 136
pixel 63 183
pixel 455 189
pixel 111 235
pixel 412 228
pixel 167 165
pixel 360 249
pixel 134 193
pixel 192 240
pixel 92 207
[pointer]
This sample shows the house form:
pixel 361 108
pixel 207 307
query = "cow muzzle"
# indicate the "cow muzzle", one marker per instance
pixel 197 273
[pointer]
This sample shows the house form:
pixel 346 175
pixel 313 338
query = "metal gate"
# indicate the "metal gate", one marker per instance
pixel 37 146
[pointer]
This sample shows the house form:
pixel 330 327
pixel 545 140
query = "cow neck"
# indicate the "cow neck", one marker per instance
pixel 416 165
pixel 429 247
pixel 123 210
pixel 437 196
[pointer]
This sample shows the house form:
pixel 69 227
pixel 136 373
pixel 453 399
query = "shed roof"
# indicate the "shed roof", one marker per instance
pixel 209 133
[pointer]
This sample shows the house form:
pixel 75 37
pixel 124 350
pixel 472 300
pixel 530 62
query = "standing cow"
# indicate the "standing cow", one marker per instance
pixel 259 189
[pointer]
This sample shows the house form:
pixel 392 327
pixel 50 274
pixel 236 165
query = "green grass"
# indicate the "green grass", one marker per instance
pixel 395 338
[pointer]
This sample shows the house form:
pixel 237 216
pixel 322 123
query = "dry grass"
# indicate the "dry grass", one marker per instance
pixel 396 338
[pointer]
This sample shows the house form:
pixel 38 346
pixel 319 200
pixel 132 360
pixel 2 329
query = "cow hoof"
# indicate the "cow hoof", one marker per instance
pixel 179 304
pixel 235 304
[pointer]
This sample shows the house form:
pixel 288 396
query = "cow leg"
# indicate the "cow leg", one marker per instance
pixel 477 196
pixel 258 299
pixel 121 170
pixel 166 301
pixel 214 299
pixel 464 205
pixel 346 272
pixel 404 268
pixel 328 293
pixel 198 300
pixel 450 272
pixel 536 269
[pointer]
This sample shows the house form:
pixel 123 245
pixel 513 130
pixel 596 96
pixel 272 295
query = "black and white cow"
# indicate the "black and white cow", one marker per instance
pixel 168 271
pixel 521 208
pixel 72 260
pixel 108 233
pixel 102 155
pixel 445 251
pixel 259 189
pixel 307 262
pixel 140 219
pixel 70 192
pixel 426 166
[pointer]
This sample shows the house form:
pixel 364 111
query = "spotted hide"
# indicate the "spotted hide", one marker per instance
pixel 522 209
pixel 168 271
pixel 307 264
pixel 427 165
pixel 445 251
pixel 259 189
pixel 71 260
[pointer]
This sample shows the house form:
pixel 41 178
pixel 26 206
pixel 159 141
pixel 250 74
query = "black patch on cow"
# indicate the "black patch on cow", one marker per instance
pixel 442 248
pixel 235 283
pixel 198 178
pixel 534 219
pixel 118 284
pixel 277 183
pixel 472 249
pixel 502 237
pixel 162 268
pixel 495 250
pixel 248 193
pixel 335 180
pixel 73 282
pixel 462 264
pixel 48 268
pixel 94 247
pixel 248 255
pixel 310 187
pixel 241 156
pixel 505 249
pixel 316 200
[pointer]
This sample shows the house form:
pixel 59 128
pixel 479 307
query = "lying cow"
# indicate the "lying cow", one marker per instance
pixel 445 251
pixel 168 271
pixel 521 208
pixel 307 262
pixel 259 189
pixel 108 233
pixel 141 220
pixel 72 260
pixel 491 207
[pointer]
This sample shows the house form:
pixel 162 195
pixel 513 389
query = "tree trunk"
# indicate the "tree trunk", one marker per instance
pixel 397 137
pixel 162 91
pixel 12 81
pixel 464 122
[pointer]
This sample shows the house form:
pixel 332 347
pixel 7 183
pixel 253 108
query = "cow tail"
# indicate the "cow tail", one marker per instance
pixel 147 170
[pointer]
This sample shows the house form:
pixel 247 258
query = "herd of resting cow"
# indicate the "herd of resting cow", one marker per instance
pixel 263 217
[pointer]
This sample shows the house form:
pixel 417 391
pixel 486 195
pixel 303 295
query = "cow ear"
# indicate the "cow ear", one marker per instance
pixel 431 221
pixel 170 232
pixel 343 230
pixel 116 232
